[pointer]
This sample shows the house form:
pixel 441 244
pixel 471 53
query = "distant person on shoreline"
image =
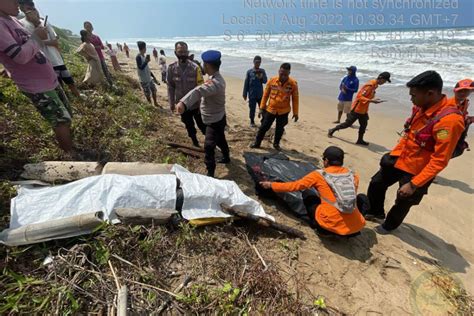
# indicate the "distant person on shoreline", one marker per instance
pixel 144 73
pixel 163 65
pixel 126 49
pixel 255 78
pixel 97 42
pixel 155 54
pixel 279 91
pixel 33 73
pixel 49 46
pixel 349 85
pixel 191 58
pixel 183 76
pixel 94 74
pixel 210 98
pixel 119 47
pixel 420 155
pixel 334 211
pixel 113 57
pixel 360 107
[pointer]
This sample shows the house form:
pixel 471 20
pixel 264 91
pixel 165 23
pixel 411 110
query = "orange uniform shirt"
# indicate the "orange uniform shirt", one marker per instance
pixel 278 96
pixel 327 216
pixel 421 163
pixel 367 93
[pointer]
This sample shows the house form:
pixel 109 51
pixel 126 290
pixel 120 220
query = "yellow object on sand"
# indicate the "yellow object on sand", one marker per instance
pixel 209 221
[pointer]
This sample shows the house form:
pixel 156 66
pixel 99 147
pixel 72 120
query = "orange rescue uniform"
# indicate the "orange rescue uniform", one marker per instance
pixel 462 107
pixel 280 95
pixel 367 93
pixel 421 163
pixel 327 216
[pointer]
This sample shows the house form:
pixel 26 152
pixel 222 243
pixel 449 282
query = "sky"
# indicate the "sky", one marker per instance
pixel 173 18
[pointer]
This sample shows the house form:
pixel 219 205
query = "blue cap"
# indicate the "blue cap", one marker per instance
pixel 353 68
pixel 211 56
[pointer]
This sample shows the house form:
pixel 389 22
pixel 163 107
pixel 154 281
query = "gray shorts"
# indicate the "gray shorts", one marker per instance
pixel 344 106
pixel 148 88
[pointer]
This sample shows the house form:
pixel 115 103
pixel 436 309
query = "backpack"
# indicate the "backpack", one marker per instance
pixel 343 187
pixel 424 136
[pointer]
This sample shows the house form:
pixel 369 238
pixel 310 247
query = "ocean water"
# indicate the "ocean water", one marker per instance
pixel 403 53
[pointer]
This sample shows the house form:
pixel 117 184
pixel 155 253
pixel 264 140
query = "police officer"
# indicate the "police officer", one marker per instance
pixel 183 76
pixel 212 108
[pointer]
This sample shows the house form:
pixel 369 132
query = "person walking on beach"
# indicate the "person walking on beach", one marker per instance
pixel 423 151
pixel 145 75
pixel 183 76
pixel 210 97
pixel 163 66
pixel 126 49
pixel 155 54
pixel 334 210
pixel 349 85
pixel 97 42
pixel 113 57
pixel 33 73
pixel 280 92
pixel 94 74
pixel 49 46
pixel 360 107
pixel 253 87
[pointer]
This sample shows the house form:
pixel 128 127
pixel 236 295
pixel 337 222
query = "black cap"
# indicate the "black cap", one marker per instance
pixel 385 75
pixel 334 155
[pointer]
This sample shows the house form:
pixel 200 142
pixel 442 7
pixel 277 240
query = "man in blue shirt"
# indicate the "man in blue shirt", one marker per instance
pixel 253 87
pixel 349 85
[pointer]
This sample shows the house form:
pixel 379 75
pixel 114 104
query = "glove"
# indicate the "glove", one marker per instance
pixel 260 114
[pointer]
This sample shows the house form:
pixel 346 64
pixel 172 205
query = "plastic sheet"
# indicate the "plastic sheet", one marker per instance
pixel 278 168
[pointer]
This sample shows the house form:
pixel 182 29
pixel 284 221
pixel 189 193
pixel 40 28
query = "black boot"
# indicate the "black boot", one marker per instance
pixel 195 141
pixel 224 160
pixel 331 132
pixel 255 145
pixel 360 140
pixel 210 173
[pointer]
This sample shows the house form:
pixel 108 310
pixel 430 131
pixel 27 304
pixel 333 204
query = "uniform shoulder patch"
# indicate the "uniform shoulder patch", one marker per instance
pixel 442 134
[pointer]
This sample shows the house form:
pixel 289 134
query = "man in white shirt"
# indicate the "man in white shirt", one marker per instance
pixel 49 46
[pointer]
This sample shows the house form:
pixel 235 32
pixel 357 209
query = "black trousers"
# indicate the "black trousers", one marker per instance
pixel 350 120
pixel 188 118
pixel 268 119
pixel 253 103
pixel 215 136
pixel 387 176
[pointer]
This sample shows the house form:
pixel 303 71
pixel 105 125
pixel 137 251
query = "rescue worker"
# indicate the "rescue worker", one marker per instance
pixel 253 87
pixel 360 107
pixel 462 90
pixel 324 216
pixel 423 151
pixel 276 106
pixel 183 76
pixel 212 108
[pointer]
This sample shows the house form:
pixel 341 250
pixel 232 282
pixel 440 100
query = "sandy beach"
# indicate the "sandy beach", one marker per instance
pixel 370 274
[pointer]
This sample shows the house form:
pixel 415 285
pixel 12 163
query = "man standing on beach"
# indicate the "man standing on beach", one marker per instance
pixel 279 92
pixel 253 87
pixel 184 76
pixel 423 151
pixel 126 49
pixel 145 75
pixel 360 107
pixel 97 42
pixel 349 85
pixel 33 73
pixel 212 93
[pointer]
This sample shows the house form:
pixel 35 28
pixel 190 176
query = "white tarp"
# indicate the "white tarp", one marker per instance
pixel 92 194
pixel 202 197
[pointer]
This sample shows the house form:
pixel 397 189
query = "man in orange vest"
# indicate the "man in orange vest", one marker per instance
pixel 326 214
pixel 462 90
pixel 279 92
pixel 423 151
pixel 360 107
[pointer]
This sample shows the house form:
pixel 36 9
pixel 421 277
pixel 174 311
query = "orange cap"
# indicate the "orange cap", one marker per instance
pixel 465 84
